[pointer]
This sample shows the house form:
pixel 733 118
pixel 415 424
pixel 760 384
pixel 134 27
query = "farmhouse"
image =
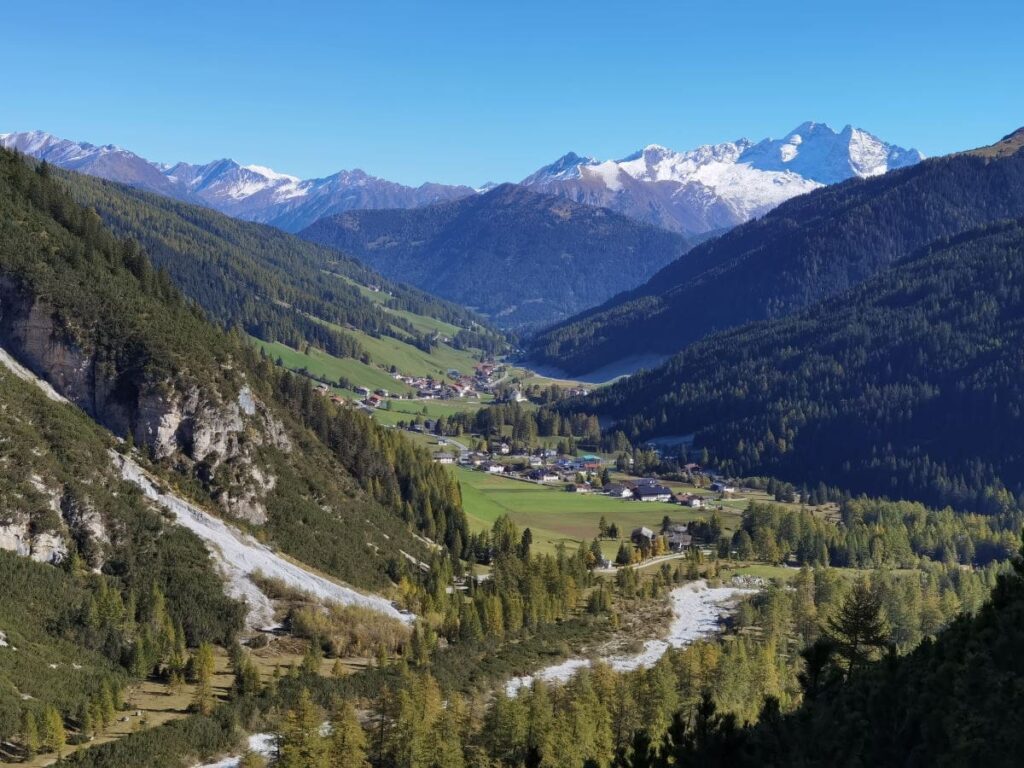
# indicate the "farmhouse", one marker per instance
pixel 493 467
pixel 689 500
pixel 642 536
pixel 652 493
pixel 678 537
pixel 617 491
pixel 443 457
pixel 544 476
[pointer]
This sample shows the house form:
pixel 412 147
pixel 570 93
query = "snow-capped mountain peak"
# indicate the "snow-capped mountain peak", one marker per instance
pixel 566 167
pixel 721 185
pixel 707 188
pixel 818 153
pixel 251 192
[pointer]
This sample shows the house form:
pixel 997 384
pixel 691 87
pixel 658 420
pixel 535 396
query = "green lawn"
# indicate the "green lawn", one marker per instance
pixel 554 516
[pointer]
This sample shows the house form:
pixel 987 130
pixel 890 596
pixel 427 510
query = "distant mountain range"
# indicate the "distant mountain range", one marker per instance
pixel 519 257
pixel 802 252
pixel 707 189
pixel 252 192
pixel 715 187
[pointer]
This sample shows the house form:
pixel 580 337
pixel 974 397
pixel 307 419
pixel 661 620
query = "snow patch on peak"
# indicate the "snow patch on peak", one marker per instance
pixel 568 166
pixel 270 173
pixel 817 152
pixel 608 172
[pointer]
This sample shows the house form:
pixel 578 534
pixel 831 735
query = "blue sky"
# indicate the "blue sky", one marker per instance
pixel 465 92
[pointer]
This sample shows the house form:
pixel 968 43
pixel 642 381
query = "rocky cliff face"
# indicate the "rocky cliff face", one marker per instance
pixel 216 434
pixel 36 528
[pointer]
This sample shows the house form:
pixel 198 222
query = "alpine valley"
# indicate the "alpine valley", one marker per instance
pixel 286 479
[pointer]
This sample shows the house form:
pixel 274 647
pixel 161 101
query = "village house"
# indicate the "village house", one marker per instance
pixel 618 491
pixel 545 476
pixel 678 537
pixel 723 488
pixel 647 492
pixel 579 488
pixel 472 458
pixel 443 457
pixel 493 467
pixel 642 536
pixel 691 500
pixel 364 391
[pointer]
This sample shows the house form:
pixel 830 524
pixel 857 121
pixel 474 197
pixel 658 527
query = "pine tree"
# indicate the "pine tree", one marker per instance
pixel 347 743
pixel 859 630
pixel 203 668
pixel 54 737
pixel 301 745
pixel 29 733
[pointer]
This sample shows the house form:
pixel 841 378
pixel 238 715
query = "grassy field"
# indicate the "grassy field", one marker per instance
pixel 554 516
pixel 321 365
pixel 421 323
pixel 413 361
pixel 407 410
pixel 409 359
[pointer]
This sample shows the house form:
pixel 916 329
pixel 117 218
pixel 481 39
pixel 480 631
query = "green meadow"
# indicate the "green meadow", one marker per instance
pixel 555 516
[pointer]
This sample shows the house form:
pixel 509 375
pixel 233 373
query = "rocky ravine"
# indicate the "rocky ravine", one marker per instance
pixel 696 610
pixel 237 554
pixel 170 418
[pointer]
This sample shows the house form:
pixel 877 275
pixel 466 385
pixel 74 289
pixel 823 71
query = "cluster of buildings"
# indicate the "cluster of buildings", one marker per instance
pixel 458 385
pixel 676 536
pixel 649 489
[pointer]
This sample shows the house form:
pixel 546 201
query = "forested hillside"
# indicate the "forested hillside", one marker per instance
pixel 908 386
pixel 521 258
pixel 273 285
pixel 89 313
pixel 69 633
pixel 806 250
pixel 949 703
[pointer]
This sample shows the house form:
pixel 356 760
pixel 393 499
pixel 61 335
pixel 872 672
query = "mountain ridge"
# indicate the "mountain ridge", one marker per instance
pixel 708 188
pixel 250 192
pixel 716 186
pixel 859 391
pixel 805 250
pixel 521 257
